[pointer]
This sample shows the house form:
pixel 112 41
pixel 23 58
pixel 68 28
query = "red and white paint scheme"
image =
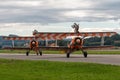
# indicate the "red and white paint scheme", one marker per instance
pixel 59 36
pixel 19 38
pixel 76 42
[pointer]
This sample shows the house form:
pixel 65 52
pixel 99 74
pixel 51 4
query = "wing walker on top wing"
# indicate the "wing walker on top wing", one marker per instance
pixel 75 44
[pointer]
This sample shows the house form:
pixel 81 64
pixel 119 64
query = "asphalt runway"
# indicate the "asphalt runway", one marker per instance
pixel 102 59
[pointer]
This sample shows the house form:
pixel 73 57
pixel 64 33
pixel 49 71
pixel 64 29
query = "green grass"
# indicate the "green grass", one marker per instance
pixel 58 52
pixel 46 70
pixel 12 51
pixel 100 52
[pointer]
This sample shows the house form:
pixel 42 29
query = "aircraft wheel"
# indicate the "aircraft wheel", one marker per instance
pixel 85 54
pixel 40 53
pixel 27 53
pixel 68 55
pixel 37 54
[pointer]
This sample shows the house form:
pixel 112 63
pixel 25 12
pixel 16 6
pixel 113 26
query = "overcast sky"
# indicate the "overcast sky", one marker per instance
pixel 21 17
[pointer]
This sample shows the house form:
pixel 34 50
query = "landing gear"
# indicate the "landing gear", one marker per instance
pixel 68 55
pixel 40 52
pixel 85 54
pixel 27 53
pixel 37 54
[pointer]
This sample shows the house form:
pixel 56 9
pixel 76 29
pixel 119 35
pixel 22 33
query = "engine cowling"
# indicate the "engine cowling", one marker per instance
pixel 76 43
pixel 33 44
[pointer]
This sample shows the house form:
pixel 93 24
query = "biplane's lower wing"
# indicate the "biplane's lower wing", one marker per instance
pixel 42 48
pixel 55 48
pixel 84 47
pixel 16 48
pixel 63 48
pixel 97 47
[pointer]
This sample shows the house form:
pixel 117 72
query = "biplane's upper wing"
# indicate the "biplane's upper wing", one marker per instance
pixel 59 36
pixel 62 35
pixel 19 38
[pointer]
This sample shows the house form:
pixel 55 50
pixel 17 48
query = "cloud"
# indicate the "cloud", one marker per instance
pixel 100 30
pixel 26 29
pixel 23 16
pixel 52 11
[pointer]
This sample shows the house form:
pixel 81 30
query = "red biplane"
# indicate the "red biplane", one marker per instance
pixel 75 45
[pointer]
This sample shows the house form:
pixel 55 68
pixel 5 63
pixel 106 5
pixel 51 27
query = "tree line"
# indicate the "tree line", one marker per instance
pixel 95 41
